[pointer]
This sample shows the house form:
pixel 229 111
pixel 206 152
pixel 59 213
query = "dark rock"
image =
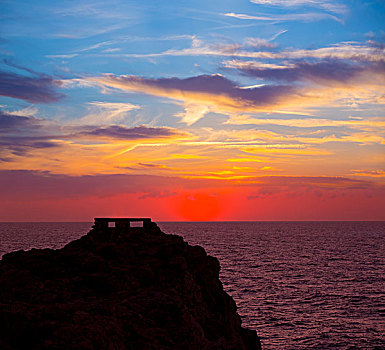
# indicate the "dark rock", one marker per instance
pixel 118 289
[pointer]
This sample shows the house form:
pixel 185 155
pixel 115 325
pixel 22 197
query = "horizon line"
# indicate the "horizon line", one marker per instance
pixel 210 221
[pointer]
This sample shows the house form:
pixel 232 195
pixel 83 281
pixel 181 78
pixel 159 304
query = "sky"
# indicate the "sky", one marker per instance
pixel 192 110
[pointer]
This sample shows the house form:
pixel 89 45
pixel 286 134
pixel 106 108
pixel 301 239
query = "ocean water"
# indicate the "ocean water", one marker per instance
pixel 301 285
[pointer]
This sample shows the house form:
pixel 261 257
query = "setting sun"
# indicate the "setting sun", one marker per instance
pixel 198 207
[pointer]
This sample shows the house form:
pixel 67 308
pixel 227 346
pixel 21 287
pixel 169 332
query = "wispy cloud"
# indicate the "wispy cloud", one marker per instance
pixel 102 113
pixel 332 6
pixel 368 173
pixel 304 134
pixel 304 17
pixel 332 74
pixel 323 72
pixel 322 186
pixel 326 182
pixel 345 51
pixel 21 135
pixel 13 122
pixel 149 165
pixel 250 65
pixel 276 35
pixel 306 122
pixel 63 56
pixel 207 90
pixel 86 32
pixel 303 83
pixel 43 185
pixel 259 43
pixel 35 185
pixel 136 133
pixel 193 112
pixel 95 46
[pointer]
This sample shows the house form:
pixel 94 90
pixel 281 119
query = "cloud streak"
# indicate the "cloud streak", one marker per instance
pixel 22 184
pixel 307 122
pixel 300 83
pixel 40 89
pixel 210 90
pixel 20 135
pixel 342 51
pixel 304 17
pixel 323 4
pixel 10 122
pixel 102 113
pixel 323 72
pixel 136 133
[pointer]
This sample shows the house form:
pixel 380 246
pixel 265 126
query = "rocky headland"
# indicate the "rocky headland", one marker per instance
pixel 137 288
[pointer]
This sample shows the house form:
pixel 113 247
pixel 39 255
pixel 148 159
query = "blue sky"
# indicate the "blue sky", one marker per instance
pixel 229 91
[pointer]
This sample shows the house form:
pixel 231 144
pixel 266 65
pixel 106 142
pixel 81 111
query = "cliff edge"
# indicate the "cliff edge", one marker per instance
pixel 118 289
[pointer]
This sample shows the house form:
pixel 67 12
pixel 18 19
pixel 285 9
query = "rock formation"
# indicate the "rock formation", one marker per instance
pixel 118 289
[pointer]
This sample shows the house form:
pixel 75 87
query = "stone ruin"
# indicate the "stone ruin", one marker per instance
pixel 122 224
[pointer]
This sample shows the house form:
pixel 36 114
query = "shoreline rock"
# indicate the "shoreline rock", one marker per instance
pixel 118 289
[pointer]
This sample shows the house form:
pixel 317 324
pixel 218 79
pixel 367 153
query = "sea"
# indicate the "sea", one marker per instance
pixel 300 285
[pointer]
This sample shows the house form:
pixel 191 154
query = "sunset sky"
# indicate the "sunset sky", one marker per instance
pixel 192 110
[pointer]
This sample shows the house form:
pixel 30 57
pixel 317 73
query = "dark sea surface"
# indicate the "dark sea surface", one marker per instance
pixel 301 285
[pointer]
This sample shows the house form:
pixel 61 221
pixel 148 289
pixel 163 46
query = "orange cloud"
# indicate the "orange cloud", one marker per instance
pixel 205 93
pixel 214 91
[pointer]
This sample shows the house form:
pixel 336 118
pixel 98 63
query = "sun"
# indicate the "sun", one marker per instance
pixel 198 207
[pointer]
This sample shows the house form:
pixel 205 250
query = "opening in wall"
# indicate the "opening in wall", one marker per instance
pixel 136 223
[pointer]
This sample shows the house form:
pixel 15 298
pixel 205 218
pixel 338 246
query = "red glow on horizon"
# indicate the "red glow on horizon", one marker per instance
pixel 214 204
pixel 199 207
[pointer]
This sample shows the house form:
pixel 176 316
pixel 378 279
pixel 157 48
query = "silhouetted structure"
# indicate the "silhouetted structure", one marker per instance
pixel 122 223
pixel 119 287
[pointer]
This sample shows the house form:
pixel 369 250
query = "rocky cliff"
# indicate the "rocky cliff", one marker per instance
pixel 118 289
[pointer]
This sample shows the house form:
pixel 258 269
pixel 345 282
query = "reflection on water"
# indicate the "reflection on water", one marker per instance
pixel 304 285
pixel 301 285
